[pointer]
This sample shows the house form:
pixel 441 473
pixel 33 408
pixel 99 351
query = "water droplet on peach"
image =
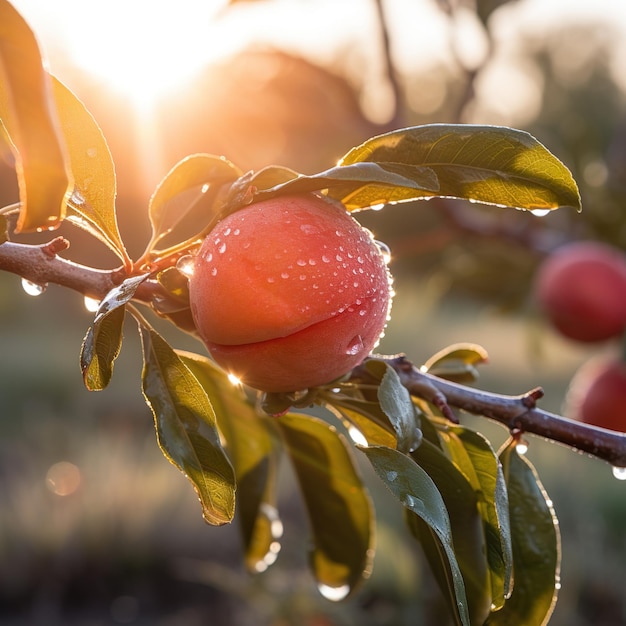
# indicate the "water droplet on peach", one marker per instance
pixel 356 344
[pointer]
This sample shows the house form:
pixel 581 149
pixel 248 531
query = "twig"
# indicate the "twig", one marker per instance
pixel 517 413
pixel 41 264
pixel 396 118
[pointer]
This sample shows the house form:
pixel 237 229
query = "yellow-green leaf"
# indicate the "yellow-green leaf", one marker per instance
pixel 457 362
pixel 468 532
pixel 417 492
pixel 186 427
pixel 338 506
pixel 488 164
pixel 361 178
pixel 92 203
pixel 536 545
pixel 103 340
pixel 476 459
pixel 29 117
pixel 195 172
pixel 253 451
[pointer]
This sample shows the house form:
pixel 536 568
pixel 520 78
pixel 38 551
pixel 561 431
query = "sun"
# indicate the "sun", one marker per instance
pixel 142 50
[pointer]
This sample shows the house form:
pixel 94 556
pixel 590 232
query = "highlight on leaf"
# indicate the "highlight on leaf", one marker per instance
pixel 30 120
pixel 103 341
pixel 253 448
pixel 191 180
pixel 338 505
pixel 487 164
pixel 186 426
pixel 91 206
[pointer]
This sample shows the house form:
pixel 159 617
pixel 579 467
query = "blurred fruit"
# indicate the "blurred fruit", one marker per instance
pixel 597 393
pixel 289 293
pixel 581 288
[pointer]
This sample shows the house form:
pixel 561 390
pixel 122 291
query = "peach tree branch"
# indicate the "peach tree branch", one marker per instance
pixel 517 413
pixel 41 264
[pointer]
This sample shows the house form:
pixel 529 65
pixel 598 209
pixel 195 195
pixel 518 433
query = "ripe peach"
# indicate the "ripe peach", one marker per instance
pixel 289 293
pixel 582 290
pixel 597 393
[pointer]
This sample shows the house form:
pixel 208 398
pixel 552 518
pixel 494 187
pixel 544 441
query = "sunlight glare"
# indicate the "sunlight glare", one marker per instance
pixel 234 380
pixel 140 50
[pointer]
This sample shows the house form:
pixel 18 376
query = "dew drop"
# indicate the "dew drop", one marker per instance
pixel 521 448
pixel 357 436
pixel 339 258
pixel 276 531
pixel 302 276
pixel 77 197
pixel 222 248
pixel 541 212
pixel 205 188
pixel 355 346
pixel 185 265
pixel 619 473
pixel 227 232
pixel 335 594
pixel 301 262
pixel 271 279
pixel 391 476
pixel 92 153
pixel 384 250
pixel 312 262
pixel 284 275
pixel 214 271
pixel 91 304
pixel 377 207
pixel 236 232
pixel 33 289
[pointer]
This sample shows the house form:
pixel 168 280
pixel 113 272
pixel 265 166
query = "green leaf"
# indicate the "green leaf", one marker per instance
pixel 488 164
pixel 28 115
pixel 92 203
pixel 361 178
pixel 186 427
pixel 254 453
pixel 368 418
pixel 457 362
pixel 477 460
pixel 417 492
pixel 468 532
pixel 195 172
pixel 536 545
pixel 338 506
pixel 103 341
pixel 396 403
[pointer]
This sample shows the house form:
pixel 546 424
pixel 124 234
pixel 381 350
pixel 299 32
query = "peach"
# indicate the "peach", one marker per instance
pixel 582 290
pixel 597 393
pixel 289 293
